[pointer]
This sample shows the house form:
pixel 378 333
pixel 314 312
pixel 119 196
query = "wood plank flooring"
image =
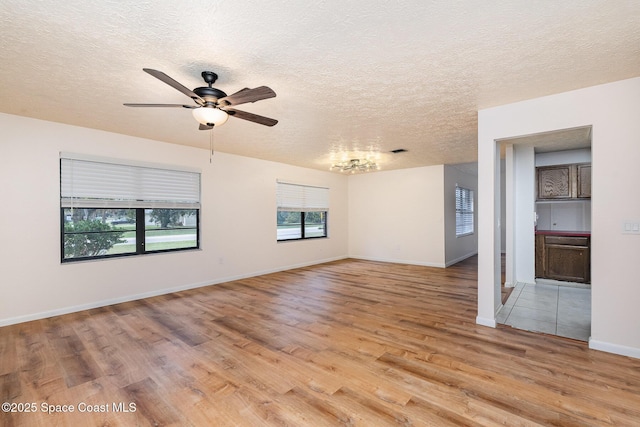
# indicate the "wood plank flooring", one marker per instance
pixel 351 342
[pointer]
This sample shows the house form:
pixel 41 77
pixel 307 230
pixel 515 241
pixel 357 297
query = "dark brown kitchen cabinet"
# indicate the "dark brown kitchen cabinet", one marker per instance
pixel 554 182
pixel 584 181
pixel 540 256
pixel 563 257
pixel 564 181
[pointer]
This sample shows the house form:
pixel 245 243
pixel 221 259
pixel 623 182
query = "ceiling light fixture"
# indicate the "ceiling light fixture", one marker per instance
pixel 355 165
pixel 210 116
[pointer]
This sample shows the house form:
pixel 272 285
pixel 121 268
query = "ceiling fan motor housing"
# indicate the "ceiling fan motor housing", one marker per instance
pixel 209 94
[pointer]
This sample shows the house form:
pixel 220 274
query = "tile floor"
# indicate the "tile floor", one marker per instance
pixel 552 309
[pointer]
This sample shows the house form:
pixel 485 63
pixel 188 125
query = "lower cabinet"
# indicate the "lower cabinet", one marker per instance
pixel 565 258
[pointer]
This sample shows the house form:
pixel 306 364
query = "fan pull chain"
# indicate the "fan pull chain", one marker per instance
pixel 211 146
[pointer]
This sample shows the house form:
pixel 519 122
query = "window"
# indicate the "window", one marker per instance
pixel 302 211
pixel 109 208
pixel 464 211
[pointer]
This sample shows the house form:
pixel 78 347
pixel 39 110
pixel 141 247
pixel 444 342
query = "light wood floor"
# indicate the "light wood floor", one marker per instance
pixel 344 343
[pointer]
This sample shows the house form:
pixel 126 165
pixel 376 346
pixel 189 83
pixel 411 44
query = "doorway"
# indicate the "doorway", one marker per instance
pixel 537 304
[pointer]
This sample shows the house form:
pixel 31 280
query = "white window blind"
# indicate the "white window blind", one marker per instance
pixel 104 183
pixel 464 211
pixel 302 198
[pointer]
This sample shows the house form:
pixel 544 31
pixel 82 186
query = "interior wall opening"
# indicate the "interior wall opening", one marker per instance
pixel 546 210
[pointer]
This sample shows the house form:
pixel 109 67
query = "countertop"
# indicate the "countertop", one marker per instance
pixel 563 233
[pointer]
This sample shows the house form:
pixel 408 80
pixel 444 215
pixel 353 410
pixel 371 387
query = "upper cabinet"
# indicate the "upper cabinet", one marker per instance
pixel 554 182
pixel 564 181
pixel 584 180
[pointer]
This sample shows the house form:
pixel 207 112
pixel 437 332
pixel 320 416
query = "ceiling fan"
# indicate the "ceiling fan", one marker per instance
pixel 213 105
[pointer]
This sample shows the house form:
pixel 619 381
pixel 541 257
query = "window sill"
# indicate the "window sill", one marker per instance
pixel 465 234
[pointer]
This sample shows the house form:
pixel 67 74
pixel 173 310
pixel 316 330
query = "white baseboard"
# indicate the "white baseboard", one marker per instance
pixel 154 293
pixel 486 322
pixel 399 261
pixel 462 258
pixel 614 348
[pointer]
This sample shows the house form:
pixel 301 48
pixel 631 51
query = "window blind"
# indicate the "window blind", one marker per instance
pixel 104 183
pixel 464 211
pixel 302 198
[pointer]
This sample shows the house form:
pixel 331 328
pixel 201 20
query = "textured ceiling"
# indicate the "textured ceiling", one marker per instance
pixel 350 75
pixel 565 139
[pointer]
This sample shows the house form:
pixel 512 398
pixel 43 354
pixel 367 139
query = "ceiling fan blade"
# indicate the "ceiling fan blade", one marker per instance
pixel 162 105
pixel 251 117
pixel 205 127
pixel 174 84
pixel 248 95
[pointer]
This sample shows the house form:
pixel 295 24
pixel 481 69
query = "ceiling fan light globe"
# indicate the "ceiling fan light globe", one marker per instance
pixel 210 116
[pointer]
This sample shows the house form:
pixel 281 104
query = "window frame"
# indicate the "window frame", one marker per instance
pixel 95 183
pixel 303 200
pixel 464 207
pixel 140 233
pixel 303 235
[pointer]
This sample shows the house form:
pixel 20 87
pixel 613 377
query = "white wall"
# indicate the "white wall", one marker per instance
pixel 398 216
pixel 519 218
pixel 564 157
pixel 458 248
pixel 613 110
pixel 503 204
pixel 524 211
pixel 238 222
pixel 564 215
